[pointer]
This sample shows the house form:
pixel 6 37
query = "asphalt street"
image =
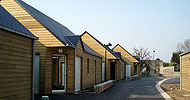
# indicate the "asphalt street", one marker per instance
pixel 141 89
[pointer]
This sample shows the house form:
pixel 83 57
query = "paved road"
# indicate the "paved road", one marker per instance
pixel 141 89
pixel 175 80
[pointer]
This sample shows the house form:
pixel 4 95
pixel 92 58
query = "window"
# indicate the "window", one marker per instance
pixel 88 72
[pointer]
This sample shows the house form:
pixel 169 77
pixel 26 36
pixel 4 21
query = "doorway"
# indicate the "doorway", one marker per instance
pixel 112 70
pixel 77 73
pixel 59 73
pixel 135 69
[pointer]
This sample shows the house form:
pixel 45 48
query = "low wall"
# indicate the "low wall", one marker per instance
pixel 168 71
pixel 103 86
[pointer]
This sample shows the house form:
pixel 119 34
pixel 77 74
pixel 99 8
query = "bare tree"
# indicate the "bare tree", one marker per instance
pixel 145 57
pixel 183 47
pixel 141 52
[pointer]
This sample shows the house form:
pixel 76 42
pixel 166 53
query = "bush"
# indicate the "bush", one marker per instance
pixel 166 64
pixel 176 66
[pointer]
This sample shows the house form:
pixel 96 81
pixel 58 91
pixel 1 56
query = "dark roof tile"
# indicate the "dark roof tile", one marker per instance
pixel 9 22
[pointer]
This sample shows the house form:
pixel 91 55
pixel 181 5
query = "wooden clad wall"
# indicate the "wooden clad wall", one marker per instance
pixel 185 72
pixel 89 80
pixel 91 42
pixel 127 57
pixel 69 52
pixel 15 66
pixel 45 37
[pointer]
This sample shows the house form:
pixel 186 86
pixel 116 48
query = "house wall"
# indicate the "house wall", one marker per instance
pixel 89 80
pixel 15 66
pixel 46 67
pixel 127 57
pixel 92 43
pixel 45 78
pixel 119 71
pixel 185 72
pixel 46 39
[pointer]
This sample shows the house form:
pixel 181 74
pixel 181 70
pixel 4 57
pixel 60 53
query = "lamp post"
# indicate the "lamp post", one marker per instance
pixel 106 46
pixel 153 54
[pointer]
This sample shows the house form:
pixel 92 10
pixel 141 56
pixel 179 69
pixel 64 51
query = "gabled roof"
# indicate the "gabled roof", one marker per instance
pixel 184 53
pixel 137 58
pixel 107 48
pixel 8 22
pixel 74 40
pixel 118 54
pixel 57 29
pixel 125 51
pixel 89 50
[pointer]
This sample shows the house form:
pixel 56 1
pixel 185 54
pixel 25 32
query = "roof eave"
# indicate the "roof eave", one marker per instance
pixel 18 32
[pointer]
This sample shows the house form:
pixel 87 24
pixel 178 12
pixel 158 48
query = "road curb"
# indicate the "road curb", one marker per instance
pixel 162 92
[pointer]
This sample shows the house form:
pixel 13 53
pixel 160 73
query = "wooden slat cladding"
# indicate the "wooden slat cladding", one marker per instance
pixel 91 42
pixel 15 66
pixel 124 53
pixel 127 57
pixel 45 37
pixel 88 79
pixel 47 83
pixel 185 72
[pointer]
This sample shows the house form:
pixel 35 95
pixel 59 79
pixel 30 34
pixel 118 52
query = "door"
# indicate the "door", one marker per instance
pixel 36 73
pixel 63 75
pixel 63 72
pixel 112 71
pixel 128 70
pixel 77 73
pixel 103 71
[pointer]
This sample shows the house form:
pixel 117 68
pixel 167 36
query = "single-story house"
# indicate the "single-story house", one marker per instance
pixel 63 63
pixel 16 59
pixel 133 65
pixel 185 71
pixel 113 67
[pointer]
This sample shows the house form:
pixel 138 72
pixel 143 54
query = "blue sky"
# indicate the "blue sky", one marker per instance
pixel 154 24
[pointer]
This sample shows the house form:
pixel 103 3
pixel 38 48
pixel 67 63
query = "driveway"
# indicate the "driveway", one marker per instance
pixel 141 89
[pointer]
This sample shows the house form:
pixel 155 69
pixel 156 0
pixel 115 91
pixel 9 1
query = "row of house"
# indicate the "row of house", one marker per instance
pixel 38 55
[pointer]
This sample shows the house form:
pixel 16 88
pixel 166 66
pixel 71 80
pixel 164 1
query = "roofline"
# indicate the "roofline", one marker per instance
pixel 41 23
pixel 184 53
pixel 18 32
pixel 125 50
pixel 99 43
pixel 89 47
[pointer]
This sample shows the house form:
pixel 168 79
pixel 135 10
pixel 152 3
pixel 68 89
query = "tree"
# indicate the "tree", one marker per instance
pixel 175 60
pixel 145 57
pixel 183 47
pixel 141 52
pixel 176 57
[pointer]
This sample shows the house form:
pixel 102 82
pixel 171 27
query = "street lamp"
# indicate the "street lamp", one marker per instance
pixel 106 46
pixel 153 54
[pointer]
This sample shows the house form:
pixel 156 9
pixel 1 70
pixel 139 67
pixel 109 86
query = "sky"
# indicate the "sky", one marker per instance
pixel 154 24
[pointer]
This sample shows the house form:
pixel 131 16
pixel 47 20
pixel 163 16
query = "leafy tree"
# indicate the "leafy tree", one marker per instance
pixel 176 57
pixel 165 64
